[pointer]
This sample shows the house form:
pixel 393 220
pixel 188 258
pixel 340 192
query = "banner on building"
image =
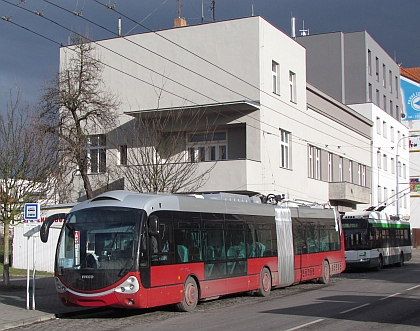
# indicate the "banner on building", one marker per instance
pixel 411 99
pixel 414 187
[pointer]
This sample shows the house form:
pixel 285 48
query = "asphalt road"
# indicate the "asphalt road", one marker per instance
pixel 354 300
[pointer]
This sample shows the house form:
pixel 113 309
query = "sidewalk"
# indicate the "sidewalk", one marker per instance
pixel 13 312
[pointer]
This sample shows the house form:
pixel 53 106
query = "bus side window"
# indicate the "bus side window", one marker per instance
pixel 187 237
pixel 162 248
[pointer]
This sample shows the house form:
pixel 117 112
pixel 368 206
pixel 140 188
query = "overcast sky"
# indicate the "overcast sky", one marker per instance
pixel 29 50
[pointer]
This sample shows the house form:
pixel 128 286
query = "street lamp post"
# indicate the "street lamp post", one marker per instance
pixel 397 174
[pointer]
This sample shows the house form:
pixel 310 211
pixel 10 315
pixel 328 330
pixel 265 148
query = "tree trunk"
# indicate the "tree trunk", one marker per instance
pixel 6 278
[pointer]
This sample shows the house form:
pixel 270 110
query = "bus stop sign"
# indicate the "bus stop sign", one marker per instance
pixel 31 211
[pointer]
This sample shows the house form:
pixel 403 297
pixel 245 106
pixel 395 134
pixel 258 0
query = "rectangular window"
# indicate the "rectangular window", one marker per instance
pixel 383 75
pixel 207 146
pixel 385 162
pixel 399 169
pixel 392 165
pixel 292 86
pixel 393 197
pixel 377 69
pixel 369 62
pixel 397 86
pixel 378 125
pixel 285 149
pixel 385 105
pixel 379 160
pixel 404 145
pixel 122 155
pixel 370 91
pixel 317 163
pixel 379 194
pixel 397 112
pixel 96 153
pixel 391 108
pixel 350 171
pixel 363 175
pixel 377 98
pixel 314 160
pixel 385 194
pixel 340 169
pixel 384 129
pixel 390 81
pixel 404 170
pixel 392 133
pixel 276 77
pixel 310 162
pixel 330 167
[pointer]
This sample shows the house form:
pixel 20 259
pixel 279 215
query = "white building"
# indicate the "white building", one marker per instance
pixel 353 68
pixel 276 133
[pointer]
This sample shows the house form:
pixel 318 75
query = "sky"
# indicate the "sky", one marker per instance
pixel 32 31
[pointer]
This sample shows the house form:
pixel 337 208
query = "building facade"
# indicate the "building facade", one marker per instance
pixel 271 131
pixel 353 68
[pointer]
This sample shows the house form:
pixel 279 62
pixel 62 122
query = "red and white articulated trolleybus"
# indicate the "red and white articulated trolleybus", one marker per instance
pixel 134 250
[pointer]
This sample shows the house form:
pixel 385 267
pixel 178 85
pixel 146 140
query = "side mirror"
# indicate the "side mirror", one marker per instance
pixel 153 225
pixel 45 227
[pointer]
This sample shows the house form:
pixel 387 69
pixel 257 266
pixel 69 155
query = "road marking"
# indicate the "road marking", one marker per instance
pixel 303 325
pixel 390 296
pixel 349 310
pixel 412 288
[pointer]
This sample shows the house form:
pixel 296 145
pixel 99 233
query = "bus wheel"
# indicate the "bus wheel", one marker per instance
pixel 325 278
pixel 401 263
pixel 190 296
pixel 265 283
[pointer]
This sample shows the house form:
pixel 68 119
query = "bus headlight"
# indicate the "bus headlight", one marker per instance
pixel 59 286
pixel 130 286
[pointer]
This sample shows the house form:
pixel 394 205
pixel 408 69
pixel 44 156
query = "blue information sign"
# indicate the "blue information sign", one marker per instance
pixel 31 211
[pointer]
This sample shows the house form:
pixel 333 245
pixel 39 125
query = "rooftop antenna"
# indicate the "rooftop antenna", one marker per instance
pixel 213 10
pixel 179 8
pixel 293 25
pixel 304 32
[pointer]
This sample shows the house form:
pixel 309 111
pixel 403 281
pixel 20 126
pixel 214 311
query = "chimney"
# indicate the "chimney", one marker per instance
pixel 179 21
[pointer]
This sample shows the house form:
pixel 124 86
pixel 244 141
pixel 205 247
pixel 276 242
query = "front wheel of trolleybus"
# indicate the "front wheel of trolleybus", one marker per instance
pixel 191 295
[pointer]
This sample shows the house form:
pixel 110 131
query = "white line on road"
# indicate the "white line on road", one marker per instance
pixel 303 325
pixel 412 288
pixel 390 296
pixel 346 311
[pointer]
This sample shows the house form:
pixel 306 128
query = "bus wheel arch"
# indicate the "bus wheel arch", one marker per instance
pixel 326 273
pixel 265 283
pixel 191 295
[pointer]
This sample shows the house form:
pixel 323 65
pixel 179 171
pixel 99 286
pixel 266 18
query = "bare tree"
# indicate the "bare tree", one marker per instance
pixel 75 105
pixel 153 152
pixel 26 164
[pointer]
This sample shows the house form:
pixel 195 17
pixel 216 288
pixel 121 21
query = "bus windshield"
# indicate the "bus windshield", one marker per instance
pixel 356 234
pixel 98 241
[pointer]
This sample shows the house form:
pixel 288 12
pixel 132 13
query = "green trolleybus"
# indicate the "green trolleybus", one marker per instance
pixel 374 239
